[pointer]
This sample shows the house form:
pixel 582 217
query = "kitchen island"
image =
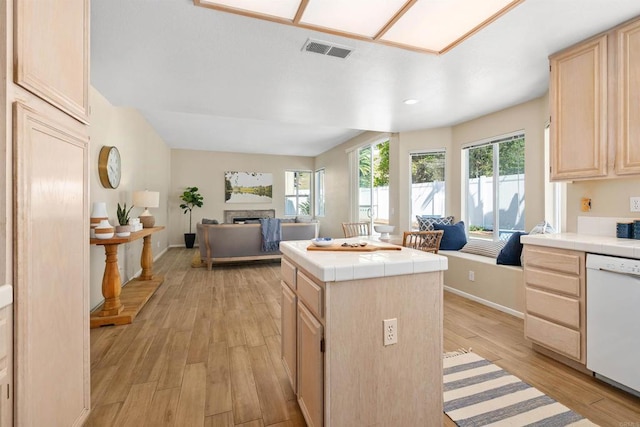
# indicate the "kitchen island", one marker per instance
pixel 334 309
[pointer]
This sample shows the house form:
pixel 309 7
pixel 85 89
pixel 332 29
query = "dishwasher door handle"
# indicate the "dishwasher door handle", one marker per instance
pixel 633 275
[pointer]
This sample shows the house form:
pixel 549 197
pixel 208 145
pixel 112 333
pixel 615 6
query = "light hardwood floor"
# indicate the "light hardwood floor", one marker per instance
pixel 205 351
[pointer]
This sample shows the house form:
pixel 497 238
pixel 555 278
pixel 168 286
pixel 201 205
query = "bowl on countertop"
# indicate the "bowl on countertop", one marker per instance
pixel 384 230
pixel 322 241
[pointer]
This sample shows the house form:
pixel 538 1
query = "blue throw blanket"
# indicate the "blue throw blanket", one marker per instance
pixel 271 234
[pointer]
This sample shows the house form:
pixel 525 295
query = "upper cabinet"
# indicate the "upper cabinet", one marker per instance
pixel 578 96
pixel 592 103
pixel 628 64
pixel 51 55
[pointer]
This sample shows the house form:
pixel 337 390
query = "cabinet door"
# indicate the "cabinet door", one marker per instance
pixel 51 54
pixel 578 105
pixel 6 366
pixel 289 331
pixel 628 148
pixel 51 288
pixel 310 368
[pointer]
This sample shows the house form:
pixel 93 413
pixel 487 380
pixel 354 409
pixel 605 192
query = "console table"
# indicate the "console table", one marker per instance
pixel 122 305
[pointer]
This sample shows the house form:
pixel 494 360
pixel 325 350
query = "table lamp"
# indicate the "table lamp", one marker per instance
pixel 148 199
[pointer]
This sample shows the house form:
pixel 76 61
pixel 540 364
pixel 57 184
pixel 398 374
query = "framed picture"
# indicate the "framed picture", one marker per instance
pixel 248 187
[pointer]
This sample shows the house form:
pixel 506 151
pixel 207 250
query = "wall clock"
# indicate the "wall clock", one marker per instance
pixel 109 167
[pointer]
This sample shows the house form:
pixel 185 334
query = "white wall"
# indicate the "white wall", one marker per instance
pixel 146 164
pixel 205 170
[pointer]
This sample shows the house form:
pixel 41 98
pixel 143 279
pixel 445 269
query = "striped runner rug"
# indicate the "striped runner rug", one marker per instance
pixel 479 393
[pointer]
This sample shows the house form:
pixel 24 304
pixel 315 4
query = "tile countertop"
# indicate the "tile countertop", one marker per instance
pixel 330 266
pixel 629 248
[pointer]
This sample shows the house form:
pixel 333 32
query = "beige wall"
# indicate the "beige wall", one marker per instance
pixel 609 197
pixel 531 117
pixel 146 164
pixel 205 170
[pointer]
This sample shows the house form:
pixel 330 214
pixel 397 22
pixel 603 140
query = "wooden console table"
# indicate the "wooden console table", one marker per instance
pixel 120 309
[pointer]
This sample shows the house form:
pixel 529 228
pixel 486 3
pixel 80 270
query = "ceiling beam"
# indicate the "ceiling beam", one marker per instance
pixel 300 12
pixel 395 18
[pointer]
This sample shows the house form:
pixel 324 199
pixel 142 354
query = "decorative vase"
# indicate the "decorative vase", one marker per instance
pixel 104 230
pixel 123 230
pixel 189 240
pixel 98 213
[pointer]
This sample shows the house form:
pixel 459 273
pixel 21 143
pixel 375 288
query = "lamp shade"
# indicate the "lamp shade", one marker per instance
pixel 146 199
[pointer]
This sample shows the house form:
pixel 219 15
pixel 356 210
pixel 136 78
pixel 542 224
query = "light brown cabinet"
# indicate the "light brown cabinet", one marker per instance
pixel 289 333
pixel 578 105
pixel 555 315
pixel 593 91
pixel 628 72
pixel 45 106
pixel 6 366
pixel 51 56
pixel 310 367
pixel 339 349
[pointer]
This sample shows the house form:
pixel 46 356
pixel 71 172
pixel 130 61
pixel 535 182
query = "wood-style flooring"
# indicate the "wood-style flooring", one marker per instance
pixel 205 351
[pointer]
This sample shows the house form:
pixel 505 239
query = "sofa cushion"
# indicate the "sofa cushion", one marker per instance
pixel 425 222
pixel 454 237
pixel 510 254
pixel 209 221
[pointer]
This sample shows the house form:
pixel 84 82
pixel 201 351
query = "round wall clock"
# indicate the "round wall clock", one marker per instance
pixel 109 167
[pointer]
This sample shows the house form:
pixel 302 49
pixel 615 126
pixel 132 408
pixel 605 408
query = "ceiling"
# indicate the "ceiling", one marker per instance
pixel 211 80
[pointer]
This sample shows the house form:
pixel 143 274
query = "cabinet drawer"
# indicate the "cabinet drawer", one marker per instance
pixel 311 294
pixel 560 260
pixel 558 308
pixel 288 272
pixel 553 336
pixel 557 282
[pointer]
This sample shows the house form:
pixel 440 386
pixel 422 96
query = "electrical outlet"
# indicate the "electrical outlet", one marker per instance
pixel 472 276
pixel 390 331
pixel 634 204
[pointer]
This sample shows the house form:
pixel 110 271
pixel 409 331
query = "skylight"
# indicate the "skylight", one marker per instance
pixel 432 26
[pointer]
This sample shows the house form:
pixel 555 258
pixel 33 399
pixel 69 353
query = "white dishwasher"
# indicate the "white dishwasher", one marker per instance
pixel 613 320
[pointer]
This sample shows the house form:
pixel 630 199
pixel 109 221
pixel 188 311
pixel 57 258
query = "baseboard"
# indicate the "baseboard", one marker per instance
pixel 485 302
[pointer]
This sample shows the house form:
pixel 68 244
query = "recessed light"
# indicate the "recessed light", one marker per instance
pixel 410 101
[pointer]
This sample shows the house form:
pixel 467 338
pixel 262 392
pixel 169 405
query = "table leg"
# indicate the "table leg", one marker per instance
pixel 146 259
pixel 111 283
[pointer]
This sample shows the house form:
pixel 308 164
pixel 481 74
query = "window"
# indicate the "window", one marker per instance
pixel 373 183
pixel 494 186
pixel 427 184
pixel 297 196
pixel 319 193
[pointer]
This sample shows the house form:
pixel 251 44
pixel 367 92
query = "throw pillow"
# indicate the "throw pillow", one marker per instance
pixel 425 222
pixel 304 219
pixel 510 254
pixel 454 237
pixel 487 248
pixel 209 221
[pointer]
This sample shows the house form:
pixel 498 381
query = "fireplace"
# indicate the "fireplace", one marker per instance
pixel 237 216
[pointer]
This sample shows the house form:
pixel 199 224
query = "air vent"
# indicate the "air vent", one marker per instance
pixel 325 48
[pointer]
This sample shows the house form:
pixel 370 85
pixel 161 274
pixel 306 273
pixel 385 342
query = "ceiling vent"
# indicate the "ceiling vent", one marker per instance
pixel 325 48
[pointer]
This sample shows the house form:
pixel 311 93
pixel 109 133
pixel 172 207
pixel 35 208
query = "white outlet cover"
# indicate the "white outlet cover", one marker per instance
pixel 634 204
pixel 389 331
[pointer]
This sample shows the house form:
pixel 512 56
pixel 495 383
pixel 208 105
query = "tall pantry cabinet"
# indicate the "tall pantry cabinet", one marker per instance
pixel 44 50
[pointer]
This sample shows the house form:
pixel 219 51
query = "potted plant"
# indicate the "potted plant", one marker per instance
pixel 124 229
pixel 191 199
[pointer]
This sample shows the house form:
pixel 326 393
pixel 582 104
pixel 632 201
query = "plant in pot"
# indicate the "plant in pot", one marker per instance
pixel 191 199
pixel 124 229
